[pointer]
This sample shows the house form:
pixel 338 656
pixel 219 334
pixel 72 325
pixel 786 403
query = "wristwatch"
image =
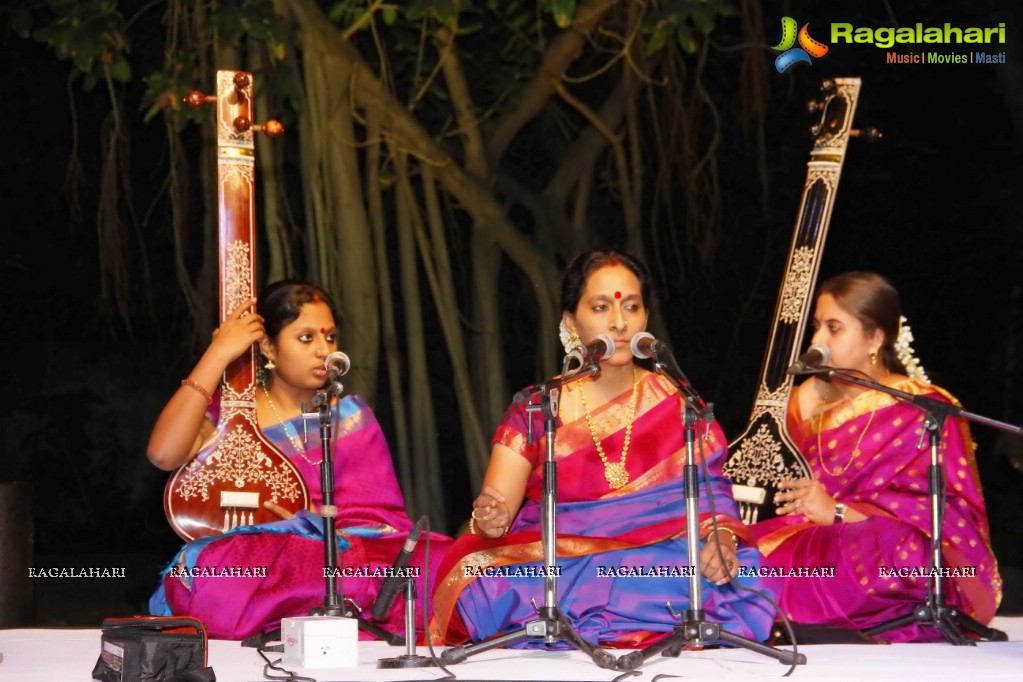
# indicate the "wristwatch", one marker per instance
pixel 840 509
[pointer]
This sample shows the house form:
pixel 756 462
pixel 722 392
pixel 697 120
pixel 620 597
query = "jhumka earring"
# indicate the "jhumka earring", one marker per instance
pixel 270 365
pixel 873 357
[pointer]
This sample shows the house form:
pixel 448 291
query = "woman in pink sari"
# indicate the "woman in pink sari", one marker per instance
pixel 295 328
pixel 866 512
pixel 621 519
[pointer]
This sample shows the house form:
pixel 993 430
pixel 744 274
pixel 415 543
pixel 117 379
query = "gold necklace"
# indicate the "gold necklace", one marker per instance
pixel 856 448
pixel 615 472
pixel 296 442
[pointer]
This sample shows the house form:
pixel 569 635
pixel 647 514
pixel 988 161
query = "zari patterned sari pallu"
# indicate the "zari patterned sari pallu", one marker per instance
pixel 621 552
pixel 281 563
pixel 865 452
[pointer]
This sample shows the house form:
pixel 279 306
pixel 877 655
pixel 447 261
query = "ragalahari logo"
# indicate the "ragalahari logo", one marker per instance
pixel 808 47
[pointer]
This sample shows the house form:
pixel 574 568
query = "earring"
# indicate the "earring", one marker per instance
pixel 270 365
pixel 873 357
pixel 569 340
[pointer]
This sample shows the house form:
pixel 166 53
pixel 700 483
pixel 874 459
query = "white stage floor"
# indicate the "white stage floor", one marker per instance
pixel 69 655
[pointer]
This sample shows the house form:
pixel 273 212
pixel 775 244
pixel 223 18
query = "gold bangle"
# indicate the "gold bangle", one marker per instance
pixel 735 538
pixel 195 385
pixel 472 529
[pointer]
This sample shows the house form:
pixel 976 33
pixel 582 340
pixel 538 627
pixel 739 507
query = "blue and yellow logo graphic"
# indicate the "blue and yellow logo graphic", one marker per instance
pixel 808 47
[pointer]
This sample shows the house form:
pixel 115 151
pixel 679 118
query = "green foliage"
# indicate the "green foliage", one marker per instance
pixel 444 11
pixel 684 20
pixel 562 11
pixel 92 34
pixel 165 93
pixel 239 24
pixel 348 12
pixel 253 19
pixel 20 21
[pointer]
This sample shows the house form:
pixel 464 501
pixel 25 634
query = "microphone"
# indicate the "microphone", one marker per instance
pixel 393 582
pixel 644 346
pixel 600 348
pixel 816 355
pixel 590 369
pixel 337 364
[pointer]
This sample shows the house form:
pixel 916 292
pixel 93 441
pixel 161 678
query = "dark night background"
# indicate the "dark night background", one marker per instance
pixel 937 206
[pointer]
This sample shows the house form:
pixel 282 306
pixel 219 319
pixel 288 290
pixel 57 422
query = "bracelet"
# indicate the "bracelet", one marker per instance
pixel 735 538
pixel 195 385
pixel 472 529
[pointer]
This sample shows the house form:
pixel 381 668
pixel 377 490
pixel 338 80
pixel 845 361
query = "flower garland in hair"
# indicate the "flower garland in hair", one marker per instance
pixel 904 349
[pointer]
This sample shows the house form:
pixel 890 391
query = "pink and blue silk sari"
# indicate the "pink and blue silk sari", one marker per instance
pixel 605 537
pixel 372 525
pixel 874 559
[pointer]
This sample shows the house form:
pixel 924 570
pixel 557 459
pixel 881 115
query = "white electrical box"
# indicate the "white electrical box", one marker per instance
pixel 320 642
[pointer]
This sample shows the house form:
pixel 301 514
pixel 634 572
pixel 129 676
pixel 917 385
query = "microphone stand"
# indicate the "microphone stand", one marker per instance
pixel 948 620
pixel 410 659
pixel 551 626
pixel 334 602
pixel 695 629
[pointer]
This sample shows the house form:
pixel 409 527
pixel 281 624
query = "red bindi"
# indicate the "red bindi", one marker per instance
pixel 618 294
pixel 322 330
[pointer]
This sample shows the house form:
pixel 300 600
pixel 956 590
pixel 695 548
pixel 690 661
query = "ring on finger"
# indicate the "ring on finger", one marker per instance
pixel 799 503
pixel 474 510
pixel 245 314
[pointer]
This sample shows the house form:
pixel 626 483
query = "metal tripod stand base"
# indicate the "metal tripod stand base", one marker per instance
pixel 550 627
pixel 949 621
pixel 406 661
pixel 701 633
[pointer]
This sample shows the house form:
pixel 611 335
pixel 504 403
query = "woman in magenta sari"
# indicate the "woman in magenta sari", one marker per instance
pixel 866 512
pixel 621 508
pixel 295 329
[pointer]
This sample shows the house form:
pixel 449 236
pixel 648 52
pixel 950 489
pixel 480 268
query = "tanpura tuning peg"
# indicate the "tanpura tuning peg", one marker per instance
pixel 867 134
pixel 196 99
pixel 271 128
pixel 813 106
